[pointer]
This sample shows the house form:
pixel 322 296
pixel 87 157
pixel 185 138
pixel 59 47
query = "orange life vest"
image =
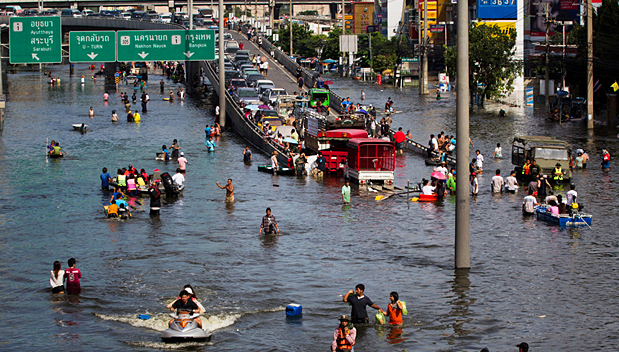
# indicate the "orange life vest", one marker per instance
pixel 342 343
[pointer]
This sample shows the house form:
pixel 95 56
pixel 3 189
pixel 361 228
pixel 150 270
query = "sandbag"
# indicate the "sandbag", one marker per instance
pixel 404 310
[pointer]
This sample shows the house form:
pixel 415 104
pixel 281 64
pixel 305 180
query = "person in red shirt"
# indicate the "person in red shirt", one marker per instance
pixel 394 310
pixel 72 277
pixel 399 138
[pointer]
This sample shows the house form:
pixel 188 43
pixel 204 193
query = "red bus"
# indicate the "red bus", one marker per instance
pixel 370 159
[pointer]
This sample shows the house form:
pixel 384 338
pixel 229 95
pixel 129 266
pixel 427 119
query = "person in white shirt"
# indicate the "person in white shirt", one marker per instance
pixel 56 278
pixel 182 162
pixel 442 168
pixel 511 183
pixel 474 184
pixel 480 160
pixel 178 178
pixel 434 143
pixel 427 189
pixel 497 182
pixel 498 152
pixel 529 203
pixel 571 195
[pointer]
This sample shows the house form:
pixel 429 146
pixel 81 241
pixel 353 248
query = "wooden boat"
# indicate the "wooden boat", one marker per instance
pixel 82 127
pixel 282 170
pixel 55 156
pixel 563 220
pixel 437 163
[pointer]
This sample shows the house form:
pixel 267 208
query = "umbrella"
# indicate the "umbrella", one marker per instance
pixel 328 61
pixel 438 175
pixel 252 107
pixel 328 82
pixel 290 140
pixel 263 107
pixel 387 72
pixel 263 58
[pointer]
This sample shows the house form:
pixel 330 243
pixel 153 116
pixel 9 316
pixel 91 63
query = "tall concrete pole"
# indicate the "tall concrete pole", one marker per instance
pixel 463 216
pixel 290 23
pixel 423 82
pixel 190 10
pixel 547 73
pixel 222 72
pixel 271 15
pixel 589 65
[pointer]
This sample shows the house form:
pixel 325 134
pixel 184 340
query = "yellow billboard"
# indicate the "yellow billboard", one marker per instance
pixel 363 13
pixel 504 26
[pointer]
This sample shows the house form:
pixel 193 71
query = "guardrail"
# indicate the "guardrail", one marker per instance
pixel 335 101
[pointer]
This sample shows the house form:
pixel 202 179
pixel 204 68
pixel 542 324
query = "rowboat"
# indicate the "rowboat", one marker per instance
pixel 281 171
pixel 563 220
pixel 428 198
pixel 82 127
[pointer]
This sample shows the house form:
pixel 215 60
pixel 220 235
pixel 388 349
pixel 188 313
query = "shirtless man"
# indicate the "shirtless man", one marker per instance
pixel 229 190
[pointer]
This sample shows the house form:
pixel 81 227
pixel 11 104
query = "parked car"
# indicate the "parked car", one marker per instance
pixel 251 79
pixel 70 13
pixel 232 74
pixel 138 15
pixel 250 71
pixel 87 12
pixel 166 17
pixel 50 12
pixel 236 83
pixel 271 95
pixel 125 15
pixel 244 96
pixel 264 82
pixel 29 13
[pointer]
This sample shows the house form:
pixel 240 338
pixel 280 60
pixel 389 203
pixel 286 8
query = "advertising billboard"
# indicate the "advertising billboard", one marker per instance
pixel 363 13
pixel 558 10
pixel 497 9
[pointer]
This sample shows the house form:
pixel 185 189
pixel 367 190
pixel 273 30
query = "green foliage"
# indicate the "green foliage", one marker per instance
pixel 308 13
pixel 491 60
pixel 238 12
pixel 303 41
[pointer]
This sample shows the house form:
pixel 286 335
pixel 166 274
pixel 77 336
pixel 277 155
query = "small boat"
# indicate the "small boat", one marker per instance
pixel 82 127
pixel 281 171
pixel 563 220
pixel 55 156
pixel 428 198
pixel 437 163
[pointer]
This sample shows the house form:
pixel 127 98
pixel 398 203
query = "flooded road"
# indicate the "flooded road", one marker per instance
pixel 553 288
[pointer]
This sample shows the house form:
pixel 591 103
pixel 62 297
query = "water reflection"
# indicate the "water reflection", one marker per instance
pixel 460 302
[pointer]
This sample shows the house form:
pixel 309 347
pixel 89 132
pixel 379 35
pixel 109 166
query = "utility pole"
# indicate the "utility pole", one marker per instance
pixel 423 82
pixel 190 10
pixel 370 40
pixel 547 74
pixel 290 23
pixel 463 214
pixel 589 65
pixel 343 33
pixel 271 15
pixel 222 70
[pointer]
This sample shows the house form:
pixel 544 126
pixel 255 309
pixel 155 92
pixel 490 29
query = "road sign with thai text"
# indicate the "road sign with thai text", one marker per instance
pixel 165 45
pixel 34 40
pixel 98 46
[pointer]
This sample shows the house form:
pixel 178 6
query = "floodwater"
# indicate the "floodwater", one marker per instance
pixel 553 288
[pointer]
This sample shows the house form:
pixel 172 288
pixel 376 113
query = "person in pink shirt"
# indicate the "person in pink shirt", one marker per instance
pixel 182 161
pixel 72 276
pixel 553 207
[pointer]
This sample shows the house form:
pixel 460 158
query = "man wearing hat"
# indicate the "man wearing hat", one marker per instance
pixel 182 161
pixel 557 173
pixel 344 336
pixel 523 347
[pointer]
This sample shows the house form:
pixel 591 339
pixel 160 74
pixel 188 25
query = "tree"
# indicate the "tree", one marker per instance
pixel 491 60
pixel 303 41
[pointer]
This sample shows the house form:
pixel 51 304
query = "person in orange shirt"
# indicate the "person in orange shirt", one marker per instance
pixel 394 310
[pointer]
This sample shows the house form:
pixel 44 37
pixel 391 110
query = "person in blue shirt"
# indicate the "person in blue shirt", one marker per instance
pixel 207 130
pixel 166 153
pixel 105 180
pixel 119 200
pixel 210 144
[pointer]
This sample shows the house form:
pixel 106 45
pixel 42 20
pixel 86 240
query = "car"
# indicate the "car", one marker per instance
pixel 243 52
pixel 8 13
pixel 29 13
pixel 242 63
pixel 228 66
pixel 166 17
pixel 264 82
pixel 245 66
pixel 227 36
pixel 271 95
pixel 250 72
pixel 153 17
pixel 87 12
pixel 251 79
pixel 245 96
pixel 107 13
pixel 50 12
pixel 236 83
pixel 232 74
pixel 231 47
pixel 263 88
pixel 546 151
pixel 125 15
pixel 71 13
pixel 138 15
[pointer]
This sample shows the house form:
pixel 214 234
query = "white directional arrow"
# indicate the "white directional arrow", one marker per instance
pixel 92 55
pixel 34 56
pixel 143 55
pixel 188 54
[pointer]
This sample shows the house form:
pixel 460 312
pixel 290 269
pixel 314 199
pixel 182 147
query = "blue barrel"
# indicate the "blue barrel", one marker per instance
pixel 293 310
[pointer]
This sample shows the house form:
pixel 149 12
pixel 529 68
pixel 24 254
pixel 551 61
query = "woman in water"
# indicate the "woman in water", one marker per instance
pixel 175 149
pixel 394 310
pixel 114 116
pixel 91 113
pixel 56 278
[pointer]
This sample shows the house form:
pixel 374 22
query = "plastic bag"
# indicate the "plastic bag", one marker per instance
pixel 380 318
pixel 404 310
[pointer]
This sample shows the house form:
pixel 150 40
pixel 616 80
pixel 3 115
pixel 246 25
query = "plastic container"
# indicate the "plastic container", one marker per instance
pixel 293 310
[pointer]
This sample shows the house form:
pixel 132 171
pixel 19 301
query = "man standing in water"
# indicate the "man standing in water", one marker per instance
pixel 346 193
pixel 269 224
pixel 229 190
pixel 358 301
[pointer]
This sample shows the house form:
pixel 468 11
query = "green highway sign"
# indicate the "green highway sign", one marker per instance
pixel 165 45
pixel 98 46
pixel 34 40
